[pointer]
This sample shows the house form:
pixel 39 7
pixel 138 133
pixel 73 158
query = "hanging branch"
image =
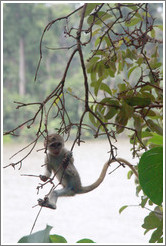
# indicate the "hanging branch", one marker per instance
pixel 137 37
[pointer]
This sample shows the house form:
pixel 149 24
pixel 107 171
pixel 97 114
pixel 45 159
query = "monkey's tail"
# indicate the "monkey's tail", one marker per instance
pixel 93 186
pixel 103 173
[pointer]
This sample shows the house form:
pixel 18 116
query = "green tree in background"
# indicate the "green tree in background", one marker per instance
pixel 101 71
pixel 23 26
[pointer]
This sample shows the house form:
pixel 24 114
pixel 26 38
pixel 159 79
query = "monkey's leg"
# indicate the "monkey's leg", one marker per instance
pixel 67 191
pixel 50 201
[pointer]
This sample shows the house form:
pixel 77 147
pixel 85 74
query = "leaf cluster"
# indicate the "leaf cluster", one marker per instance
pixel 44 236
pixel 150 170
pixel 126 78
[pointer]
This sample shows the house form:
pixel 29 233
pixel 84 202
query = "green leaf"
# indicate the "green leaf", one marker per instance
pixel 57 239
pixel 96 31
pixel 145 94
pixel 138 189
pixel 90 19
pixel 155 127
pixel 37 237
pixel 122 117
pixel 93 120
pixel 90 7
pixel 131 54
pixel 146 14
pixel 131 70
pixel 153 33
pixel 150 171
pixel 146 112
pixel 146 134
pixel 111 72
pixel 96 85
pixel 110 114
pixel 137 101
pixel 100 69
pixel 157 235
pixel 85 240
pixel 160 27
pixel 150 203
pixel 140 61
pixel 129 174
pixel 108 42
pixel 132 22
pixel 69 89
pixel 121 121
pixel 110 102
pixel 93 76
pixel 91 64
pixel 151 221
pixel 105 88
pixel 58 99
pixel 154 64
pixel 98 21
pixel 97 41
pixel 103 16
pixel 120 43
pixel 156 139
pixel 122 87
pixel 146 88
pixel 111 105
pixel 144 201
pixel 122 208
pixel 137 124
pixel 120 66
pixel 132 6
pixel 160 240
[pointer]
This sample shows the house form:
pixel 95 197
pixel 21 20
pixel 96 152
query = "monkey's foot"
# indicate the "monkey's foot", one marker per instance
pixel 45 203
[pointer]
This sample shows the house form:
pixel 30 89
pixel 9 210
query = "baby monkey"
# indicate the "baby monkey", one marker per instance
pixel 60 161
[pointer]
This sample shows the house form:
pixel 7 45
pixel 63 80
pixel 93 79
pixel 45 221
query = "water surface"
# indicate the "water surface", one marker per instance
pixel 94 215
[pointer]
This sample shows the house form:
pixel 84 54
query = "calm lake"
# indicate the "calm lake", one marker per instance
pixel 94 215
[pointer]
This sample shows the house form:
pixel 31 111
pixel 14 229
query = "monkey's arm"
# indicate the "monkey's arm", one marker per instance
pixel 48 171
pixel 68 177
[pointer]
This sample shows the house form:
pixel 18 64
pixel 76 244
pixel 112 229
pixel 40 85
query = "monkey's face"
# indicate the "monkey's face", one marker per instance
pixel 54 144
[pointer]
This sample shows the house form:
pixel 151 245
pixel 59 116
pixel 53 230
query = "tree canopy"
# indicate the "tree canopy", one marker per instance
pixel 101 70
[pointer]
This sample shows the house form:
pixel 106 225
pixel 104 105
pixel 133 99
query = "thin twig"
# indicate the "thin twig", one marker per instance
pixel 36 220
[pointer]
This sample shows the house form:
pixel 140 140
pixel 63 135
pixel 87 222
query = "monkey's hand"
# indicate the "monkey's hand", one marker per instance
pixel 67 159
pixel 43 178
pixel 45 203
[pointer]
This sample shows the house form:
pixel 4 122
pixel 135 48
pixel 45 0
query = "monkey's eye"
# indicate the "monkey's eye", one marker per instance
pixel 55 145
